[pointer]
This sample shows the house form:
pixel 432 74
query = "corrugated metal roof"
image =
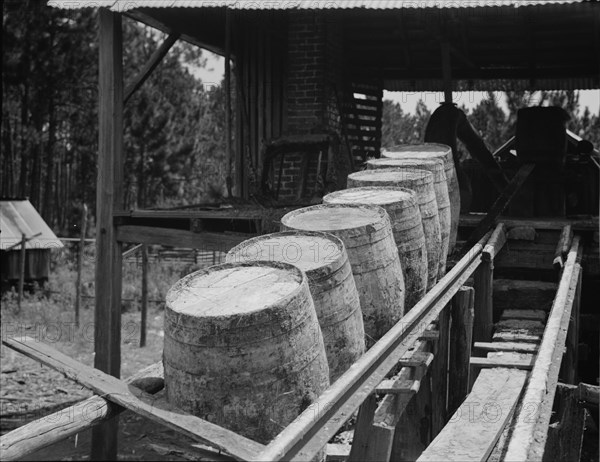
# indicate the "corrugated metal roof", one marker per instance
pixel 18 217
pixel 127 5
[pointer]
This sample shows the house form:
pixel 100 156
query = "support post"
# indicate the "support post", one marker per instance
pixel 483 282
pixel 229 179
pixel 144 307
pixel 461 334
pixel 22 261
pixel 107 334
pixel 447 72
pixel 84 211
pixel 439 374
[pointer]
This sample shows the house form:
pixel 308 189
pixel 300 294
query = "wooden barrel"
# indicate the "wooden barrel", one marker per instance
pixel 437 151
pixel 367 234
pixel 243 347
pixel 323 257
pixel 421 182
pixel 440 186
pixel 407 227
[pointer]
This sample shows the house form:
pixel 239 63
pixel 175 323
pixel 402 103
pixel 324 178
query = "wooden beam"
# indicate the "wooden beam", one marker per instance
pixel 483 282
pixel 310 431
pixel 495 244
pixel 550 223
pixel 109 197
pixel 136 400
pixel 67 422
pixel 500 204
pixel 530 432
pixel 476 426
pixel 180 238
pixel 562 248
pixel 506 346
pixel 461 334
pixel 154 61
pixel 446 71
pixel 500 362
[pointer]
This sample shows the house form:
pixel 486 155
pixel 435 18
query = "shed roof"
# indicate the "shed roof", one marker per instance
pixel 494 44
pixel 18 217
pixel 128 5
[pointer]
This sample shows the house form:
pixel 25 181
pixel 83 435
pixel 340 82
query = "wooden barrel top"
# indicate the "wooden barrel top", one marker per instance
pixel 335 217
pixel 379 195
pixel 423 150
pixel 308 250
pixel 385 176
pixel 234 288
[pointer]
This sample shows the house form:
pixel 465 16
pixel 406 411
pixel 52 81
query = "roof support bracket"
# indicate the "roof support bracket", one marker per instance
pixel 154 61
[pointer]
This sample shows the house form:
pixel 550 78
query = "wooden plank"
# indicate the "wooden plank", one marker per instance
pixel 520 325
pixel 439 374
pixel 472 220
pixel 528 439
pixel 75 419
pixel 562 248
pixel 362 430
pixel 149 67
pixel 337 452
pixel 528 315
pixel 413 430
pixel 308 433
pixel 501 362
pixel 138 401
pixel 483 283
pixel 569 368
pixel 495 244
pixel 500 204
pixel 565 435
pixel 476 426
pixel 461 334
pixel 180 238
pixel 517 337
pixel 84 212
pixel 589 393
pixel 144 301
pixel 109 197
pixel 506 346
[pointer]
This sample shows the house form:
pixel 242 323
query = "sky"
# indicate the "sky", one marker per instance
pixel 212 74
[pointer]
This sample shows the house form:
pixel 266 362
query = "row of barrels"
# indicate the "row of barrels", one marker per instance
pixel 249 344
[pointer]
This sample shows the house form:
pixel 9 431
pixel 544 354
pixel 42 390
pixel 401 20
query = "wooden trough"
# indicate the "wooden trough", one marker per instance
pixel 406 366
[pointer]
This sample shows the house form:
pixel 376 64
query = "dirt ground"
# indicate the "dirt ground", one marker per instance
pixel 29 390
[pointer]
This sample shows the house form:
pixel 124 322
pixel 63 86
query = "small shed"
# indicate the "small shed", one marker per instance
pixel 19 218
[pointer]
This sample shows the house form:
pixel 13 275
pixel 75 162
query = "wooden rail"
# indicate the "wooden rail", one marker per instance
pixel 530 432
pixel 305 436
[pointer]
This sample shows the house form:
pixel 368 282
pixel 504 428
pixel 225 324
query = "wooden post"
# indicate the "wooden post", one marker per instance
pixel 109 197
pixel 439 375
pixel 229 179
pixel 461 333
pixel 483 282
pixel 447 72
pixel 144 295
pixel 362 428
pixel 84 211
pixel 22 261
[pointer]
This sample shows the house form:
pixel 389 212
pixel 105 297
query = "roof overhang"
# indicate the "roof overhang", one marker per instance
pixel 494 45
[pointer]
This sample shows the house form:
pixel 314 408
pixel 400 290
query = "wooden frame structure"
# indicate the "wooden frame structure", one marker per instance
pixel 310 432
pixel 405 346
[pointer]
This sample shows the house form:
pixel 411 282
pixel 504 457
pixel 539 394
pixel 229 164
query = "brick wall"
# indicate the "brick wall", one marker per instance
pixel 314 75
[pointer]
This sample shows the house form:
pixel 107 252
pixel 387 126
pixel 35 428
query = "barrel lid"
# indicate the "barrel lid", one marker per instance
pixel 412 150
pixel 390 175
pixel 378 195
pixel 334 217
pixel 234 288
pixel 307 250
pixel 434 164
